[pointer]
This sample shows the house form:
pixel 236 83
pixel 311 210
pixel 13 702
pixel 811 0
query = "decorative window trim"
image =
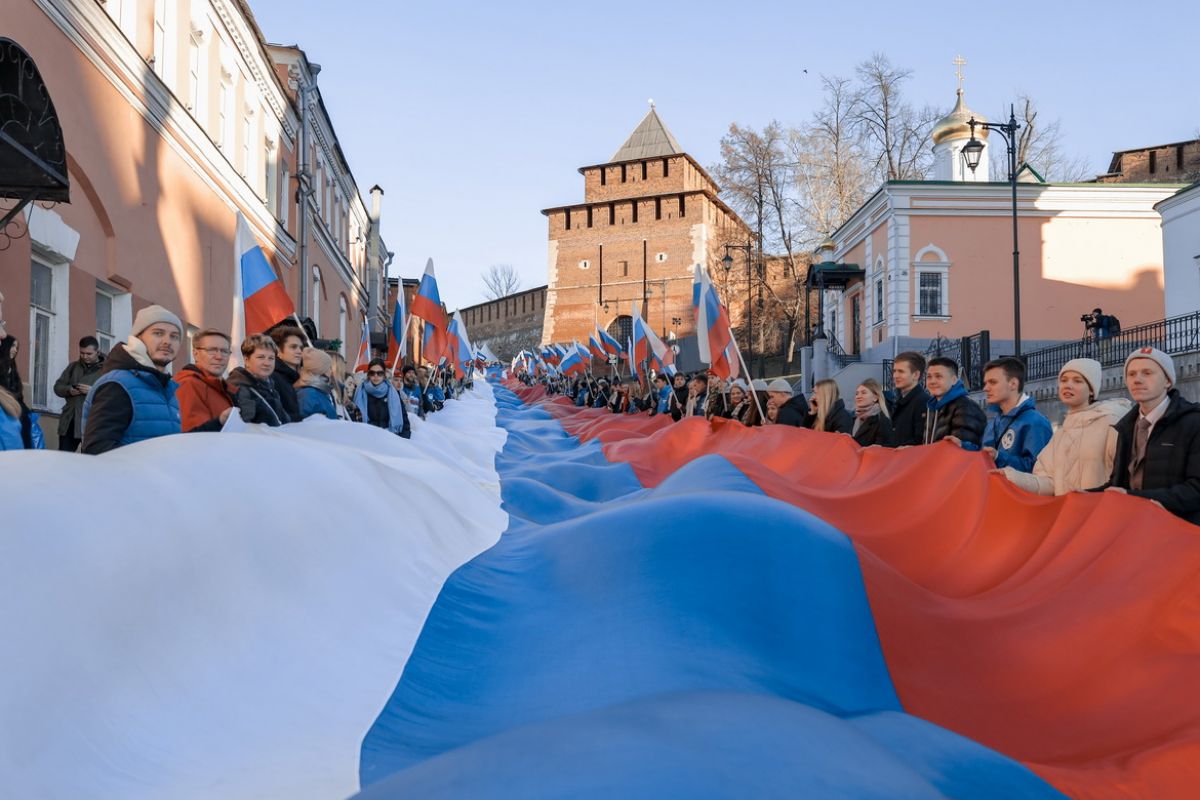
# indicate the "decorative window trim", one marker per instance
pixel 930 267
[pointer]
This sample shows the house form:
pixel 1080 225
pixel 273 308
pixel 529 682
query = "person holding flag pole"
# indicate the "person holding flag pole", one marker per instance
pixel 714 333
pixel 427 304
pixel 399 330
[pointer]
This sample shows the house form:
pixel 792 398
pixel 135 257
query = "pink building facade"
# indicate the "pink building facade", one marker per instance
pixel 176 116
pixel 937 261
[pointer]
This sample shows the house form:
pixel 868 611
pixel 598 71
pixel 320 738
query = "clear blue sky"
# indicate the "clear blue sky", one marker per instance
pixel 474 116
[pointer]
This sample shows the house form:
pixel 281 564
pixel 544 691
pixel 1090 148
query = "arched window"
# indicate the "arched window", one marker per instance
pixel 316 299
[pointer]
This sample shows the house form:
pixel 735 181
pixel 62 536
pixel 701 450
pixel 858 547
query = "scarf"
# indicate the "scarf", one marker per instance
pixel 395 406
pixel 867 411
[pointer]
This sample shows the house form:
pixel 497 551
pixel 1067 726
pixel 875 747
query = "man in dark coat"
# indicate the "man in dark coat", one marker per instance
pixel 73 386
pixel 791 408
pixel 951 414
pixel 910 403
pixel 1158 441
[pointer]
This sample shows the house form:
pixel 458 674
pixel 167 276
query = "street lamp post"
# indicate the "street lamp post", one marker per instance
pixel 972 151
pixel 727 263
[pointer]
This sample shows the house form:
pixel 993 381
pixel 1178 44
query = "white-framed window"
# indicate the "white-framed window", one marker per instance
pixel 195 76
pixel 114 315
pixel 248 147
pixel 270 175
pixel 104 320
pixel 160 44
pixel 879 300
pixel 316 299
pixel 223 95
pixel 285 195
pixel 342 319
pixel 124 14
pixel 48 328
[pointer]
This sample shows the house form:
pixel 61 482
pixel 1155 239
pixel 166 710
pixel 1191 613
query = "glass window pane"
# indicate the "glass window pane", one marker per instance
pixel 104 305
pixel 40 293
pixel 41 359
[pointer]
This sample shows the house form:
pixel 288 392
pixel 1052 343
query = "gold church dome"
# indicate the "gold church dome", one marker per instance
pixel 954 125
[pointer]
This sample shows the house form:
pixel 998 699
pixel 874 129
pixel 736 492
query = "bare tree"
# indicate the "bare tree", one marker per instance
pixel 500 280
pixel 1039 144
pixel 895 134
pixel 758 177
pixel 831 165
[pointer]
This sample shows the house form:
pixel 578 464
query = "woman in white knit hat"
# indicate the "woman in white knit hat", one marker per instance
pixel 1080 454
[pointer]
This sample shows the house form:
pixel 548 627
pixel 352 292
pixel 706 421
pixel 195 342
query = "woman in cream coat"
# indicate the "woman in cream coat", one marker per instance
pixel 1080 454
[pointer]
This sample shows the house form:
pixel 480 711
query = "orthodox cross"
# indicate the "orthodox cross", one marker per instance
pixel 958 63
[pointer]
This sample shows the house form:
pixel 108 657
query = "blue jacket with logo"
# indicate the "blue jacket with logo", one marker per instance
pixel 1018 436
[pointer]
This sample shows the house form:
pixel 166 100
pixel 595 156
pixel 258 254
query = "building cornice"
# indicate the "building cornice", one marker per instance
pixel 241 27
pixel 664 195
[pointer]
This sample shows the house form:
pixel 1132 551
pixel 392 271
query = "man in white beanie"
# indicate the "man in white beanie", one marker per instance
pixel 790 407
pixel 1158 441
pixel 134 399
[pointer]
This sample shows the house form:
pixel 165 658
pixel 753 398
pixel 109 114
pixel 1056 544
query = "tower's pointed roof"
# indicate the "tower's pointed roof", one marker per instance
pixel 650 139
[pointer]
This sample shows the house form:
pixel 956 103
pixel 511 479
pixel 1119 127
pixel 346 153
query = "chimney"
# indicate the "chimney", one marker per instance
pixel 375 277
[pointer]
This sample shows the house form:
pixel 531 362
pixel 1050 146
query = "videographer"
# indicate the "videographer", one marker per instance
pixel 1098 323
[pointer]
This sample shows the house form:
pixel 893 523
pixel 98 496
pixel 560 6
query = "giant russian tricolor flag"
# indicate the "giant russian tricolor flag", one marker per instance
pixel 580 604
pixel 259 299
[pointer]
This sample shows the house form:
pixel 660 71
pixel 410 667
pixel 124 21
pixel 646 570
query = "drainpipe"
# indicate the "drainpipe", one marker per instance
pixel 373 254
pixel 304 182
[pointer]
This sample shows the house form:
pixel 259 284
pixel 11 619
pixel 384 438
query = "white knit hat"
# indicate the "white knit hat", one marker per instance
pixel 1158 357
pixel 759 385
pixel 779 385
pixel 152 314
pixel 1089 368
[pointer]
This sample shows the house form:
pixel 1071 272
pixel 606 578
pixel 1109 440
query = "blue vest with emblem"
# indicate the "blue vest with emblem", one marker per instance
pixel 155 409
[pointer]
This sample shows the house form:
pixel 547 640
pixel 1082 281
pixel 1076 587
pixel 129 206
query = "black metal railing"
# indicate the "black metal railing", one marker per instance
pixel 970 352
pixel 886 379
pixel 839 353
pixel 1172 335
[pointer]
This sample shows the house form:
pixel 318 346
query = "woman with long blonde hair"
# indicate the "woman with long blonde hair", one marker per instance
pixel 872 423
pixel 826 411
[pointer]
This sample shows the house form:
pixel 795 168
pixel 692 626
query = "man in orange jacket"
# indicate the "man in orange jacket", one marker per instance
pixel 205 402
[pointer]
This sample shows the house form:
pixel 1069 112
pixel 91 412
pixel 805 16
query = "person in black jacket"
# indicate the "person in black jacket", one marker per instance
pixel 872 425
pixel 1158 441
pixel 951 414
pixel 790 408
pixel 827 412
pixel 379 402
pixel 909 404
pixel 289 355
pixel 253 385
pixel 677 400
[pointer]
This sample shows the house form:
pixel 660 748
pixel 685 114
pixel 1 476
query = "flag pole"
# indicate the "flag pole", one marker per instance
pixel 742 360
pixel 301 327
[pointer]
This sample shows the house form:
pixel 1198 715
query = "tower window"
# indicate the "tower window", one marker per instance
pixel 1153 160
pixel 633 204
pixel 589 216
pixel 623 175
pixel 612 213
pixel 644 166
pixel 624 269
pixel 658 208
pixel 666 168
pixel 568 219
pixel 603 176
pixel 682 207
pixel 1179 157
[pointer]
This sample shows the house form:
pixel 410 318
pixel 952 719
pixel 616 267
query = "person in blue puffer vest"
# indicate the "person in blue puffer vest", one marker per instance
pixel 10 422
pixel 662 395
pixel 1016 431
pixel 134 399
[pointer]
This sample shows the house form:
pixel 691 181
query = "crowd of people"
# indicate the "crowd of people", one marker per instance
pixel 1149 447
pixel 130 394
